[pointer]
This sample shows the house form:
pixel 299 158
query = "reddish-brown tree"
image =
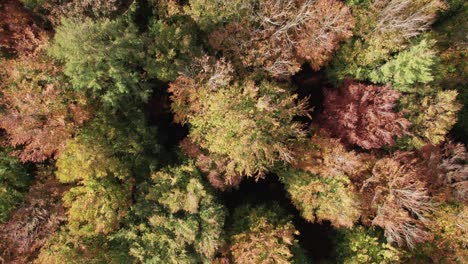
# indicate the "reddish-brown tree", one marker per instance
pixel 40 114
pixel 397 198
pixel 363 115
pixel 32 224
pixel 18 32
pixel 281 35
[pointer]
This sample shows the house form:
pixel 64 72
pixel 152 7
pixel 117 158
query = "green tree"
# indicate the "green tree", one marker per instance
pixel 264 234
pixel 383 28
pixel 173 42
pixel 364 245
pixel 14 181
pixel 407 68
pixel 64 247
pixel 104 58
pixel 182 220
pixel 319 198
pixel 105 160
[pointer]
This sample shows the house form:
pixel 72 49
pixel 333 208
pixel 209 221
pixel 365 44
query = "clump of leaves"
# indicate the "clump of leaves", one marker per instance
pixel 364 245
pixel 64 247
pixel 327 156
pixel 14 181
pixel 262 234
pixel 364 115
pixel 38 217
pixel 450 227
pixel 432 116
pixel 182 220
pixel 318 198
pixel 19 34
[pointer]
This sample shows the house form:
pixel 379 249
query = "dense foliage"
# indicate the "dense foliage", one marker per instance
pixel 240 131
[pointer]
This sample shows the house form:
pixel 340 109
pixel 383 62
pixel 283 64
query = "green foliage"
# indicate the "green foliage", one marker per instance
pixel 14 180
pixel 64 247
pixel 182 220
pixel 383 29
pixel 322 198
pixel 172 44
pixel 103 58
pixel 362 245
pixel 264 234
pixel 98 206
pixel 407 68
pixel 432 116
pixel 105 159
pixel 211 13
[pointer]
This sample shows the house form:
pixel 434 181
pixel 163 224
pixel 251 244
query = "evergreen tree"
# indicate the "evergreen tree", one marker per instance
pixel 14 181
pixel 182 220
pixel 409 67
pixel 104 58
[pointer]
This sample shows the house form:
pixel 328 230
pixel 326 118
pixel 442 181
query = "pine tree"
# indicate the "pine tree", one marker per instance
pixel 407 68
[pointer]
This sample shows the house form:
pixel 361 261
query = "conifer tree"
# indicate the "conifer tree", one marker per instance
pixel 182 220
pixel 14 180
pixel 104 58
pixel 409 67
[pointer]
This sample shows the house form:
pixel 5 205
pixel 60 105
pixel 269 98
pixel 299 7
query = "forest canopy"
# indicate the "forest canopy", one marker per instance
pixel 233 132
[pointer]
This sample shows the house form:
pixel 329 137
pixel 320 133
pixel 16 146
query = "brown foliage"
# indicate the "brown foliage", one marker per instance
pixel 363 115
pixel 18 32
pixel 453 170
pixel 40 114
pixel 33 223
pixel 448 169
pixel 398 196
pixel 320 37
pixel 326 156
pixel 283 34
pixel 213 168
